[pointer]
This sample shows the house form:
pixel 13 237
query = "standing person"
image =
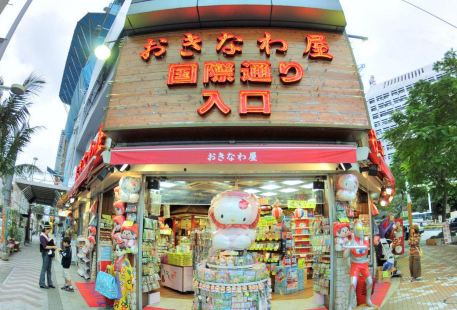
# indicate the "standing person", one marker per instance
pixel 66 262
pixel 414 253
pixel 47 248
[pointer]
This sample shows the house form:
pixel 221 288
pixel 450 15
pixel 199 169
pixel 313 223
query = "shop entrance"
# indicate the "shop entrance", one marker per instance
pixel 292 236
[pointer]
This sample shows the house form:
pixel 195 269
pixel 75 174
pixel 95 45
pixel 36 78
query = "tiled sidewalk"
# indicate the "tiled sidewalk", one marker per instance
pixel 438 288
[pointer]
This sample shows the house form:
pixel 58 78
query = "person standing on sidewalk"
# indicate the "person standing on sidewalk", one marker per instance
pixel 414 253
pixel 66 262
pixel 47 248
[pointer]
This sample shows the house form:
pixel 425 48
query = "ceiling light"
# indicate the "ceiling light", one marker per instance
pixel 251 190
pixel 268 194
pixel 270 186
pixel 124 167
pixel 292 182
pixel 166 184
pixel 307 185
pixel 288 190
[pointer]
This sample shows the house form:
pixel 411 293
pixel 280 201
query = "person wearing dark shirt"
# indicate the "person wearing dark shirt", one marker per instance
pixel 66 262
pixel 47 249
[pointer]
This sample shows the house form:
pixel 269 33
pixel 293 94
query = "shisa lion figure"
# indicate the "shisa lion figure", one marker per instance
pixel 357 249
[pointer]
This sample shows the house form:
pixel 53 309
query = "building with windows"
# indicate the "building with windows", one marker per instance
pixel 389 96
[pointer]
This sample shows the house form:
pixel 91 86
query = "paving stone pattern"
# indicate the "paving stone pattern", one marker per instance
pixel 438 288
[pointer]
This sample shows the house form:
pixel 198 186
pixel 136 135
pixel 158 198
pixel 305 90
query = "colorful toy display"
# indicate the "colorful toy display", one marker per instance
pixel 128 189
pixel 129 234
pixel 299 213
pixel 234 215
pixel 357 249
pixel 341 232
pixel 346 187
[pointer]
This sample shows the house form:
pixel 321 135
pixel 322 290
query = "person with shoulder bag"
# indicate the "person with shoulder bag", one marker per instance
pixel 47 248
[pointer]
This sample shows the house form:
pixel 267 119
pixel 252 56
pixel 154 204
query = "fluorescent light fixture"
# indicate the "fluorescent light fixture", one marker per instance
pixel 251 190
pixel 270 187
pixel 307 185
pixel 293 182
pixel 267 194
pixel 124 167
pixel 166 184
pixel 288 190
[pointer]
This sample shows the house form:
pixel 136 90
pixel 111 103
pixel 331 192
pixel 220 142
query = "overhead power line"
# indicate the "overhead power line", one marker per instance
pixel 437 17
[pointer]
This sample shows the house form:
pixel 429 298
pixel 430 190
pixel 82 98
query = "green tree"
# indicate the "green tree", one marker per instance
pixel 425 137
pixel 16 133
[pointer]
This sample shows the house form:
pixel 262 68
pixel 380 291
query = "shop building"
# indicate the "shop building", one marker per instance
pixel 263 98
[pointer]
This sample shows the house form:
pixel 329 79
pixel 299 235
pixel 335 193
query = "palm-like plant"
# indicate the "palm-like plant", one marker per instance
pixel 16 133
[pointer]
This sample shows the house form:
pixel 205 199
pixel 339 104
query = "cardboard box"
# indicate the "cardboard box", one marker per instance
pixel 430 242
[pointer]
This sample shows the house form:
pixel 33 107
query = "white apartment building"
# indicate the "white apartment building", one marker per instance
pixel 389 96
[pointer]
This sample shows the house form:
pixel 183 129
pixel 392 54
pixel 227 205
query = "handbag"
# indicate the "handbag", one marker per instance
pixel 107 285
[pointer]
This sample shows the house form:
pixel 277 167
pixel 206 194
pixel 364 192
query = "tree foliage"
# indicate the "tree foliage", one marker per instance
pixel 425 137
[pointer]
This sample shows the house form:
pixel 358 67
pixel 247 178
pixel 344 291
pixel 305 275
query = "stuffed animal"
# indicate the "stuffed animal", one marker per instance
pixel 129 187
pixel 346 187
pixel 234 216
pixel 92 230
pixel 341 233
pixel 129 235
pixel 118 220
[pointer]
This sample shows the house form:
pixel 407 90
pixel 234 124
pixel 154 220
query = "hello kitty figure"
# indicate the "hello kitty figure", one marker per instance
pixel 234 216
pixel 341 233
pixel 346 187
pixel 129 188
pixel 129 235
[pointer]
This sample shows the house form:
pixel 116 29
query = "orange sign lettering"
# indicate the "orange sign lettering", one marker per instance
pixel 218 72
pixel 286 67
pixel 229 44
pixel 190 43
pixel 182 74
pixel 214 99
pixel 256 71
pixel 152 47
pixel 265 108
pixel 266 42
pixel 317 47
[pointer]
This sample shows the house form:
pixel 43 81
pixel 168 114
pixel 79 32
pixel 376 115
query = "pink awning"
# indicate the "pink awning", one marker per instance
pixel 234 154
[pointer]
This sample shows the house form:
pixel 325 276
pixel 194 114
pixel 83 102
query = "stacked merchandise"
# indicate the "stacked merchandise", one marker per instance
pixel 321 248
pixel 268 244
pixel 84 257
pixel 231 280
pixel 200 244
pixel 150 257
pixel 165 241
pixel 106 226
pixel 302 241
pixel 182 255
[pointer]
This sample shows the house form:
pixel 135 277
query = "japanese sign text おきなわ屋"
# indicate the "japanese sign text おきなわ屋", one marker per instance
pixel 223 72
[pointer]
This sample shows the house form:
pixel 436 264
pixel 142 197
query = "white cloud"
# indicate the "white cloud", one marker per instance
pixel 40 45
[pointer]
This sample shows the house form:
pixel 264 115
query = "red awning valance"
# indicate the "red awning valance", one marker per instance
pixel 234 154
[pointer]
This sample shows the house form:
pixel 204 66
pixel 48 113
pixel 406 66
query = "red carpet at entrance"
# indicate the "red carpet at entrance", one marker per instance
pixel 90 295
pixel 154 308
pixel 380 292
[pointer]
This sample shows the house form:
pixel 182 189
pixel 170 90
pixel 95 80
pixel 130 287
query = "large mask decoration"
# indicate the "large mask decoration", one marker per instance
pixel 341 232
pixel 346 187
pixel 129 235
pixel 128 189
pixel 234 216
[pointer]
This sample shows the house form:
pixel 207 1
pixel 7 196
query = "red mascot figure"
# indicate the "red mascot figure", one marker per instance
pixel 357 248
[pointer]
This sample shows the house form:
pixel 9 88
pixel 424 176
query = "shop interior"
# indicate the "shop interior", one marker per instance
pixel 292 237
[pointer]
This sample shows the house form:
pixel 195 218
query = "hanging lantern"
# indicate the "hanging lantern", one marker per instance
pixel 277 212
pixel 299 213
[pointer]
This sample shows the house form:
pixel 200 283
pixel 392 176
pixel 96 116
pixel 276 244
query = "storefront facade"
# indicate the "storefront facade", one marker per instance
pixel 250 97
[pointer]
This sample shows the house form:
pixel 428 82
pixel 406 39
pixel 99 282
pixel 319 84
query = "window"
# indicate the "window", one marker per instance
pixel 376 124
pixel 379 132
pixel 403 98
pixel 379 98
pixel 401 90
pixel 408 87
pixel 397 100
pixel 375 116
pixel 384 113
pixel 385 96
pixel 371 100
pixel 373 108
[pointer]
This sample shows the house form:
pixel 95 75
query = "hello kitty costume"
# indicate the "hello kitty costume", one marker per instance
pixel 234 216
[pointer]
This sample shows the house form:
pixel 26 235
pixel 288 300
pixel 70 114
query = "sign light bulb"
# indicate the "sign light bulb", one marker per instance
pixel 383 203
pixel 389 191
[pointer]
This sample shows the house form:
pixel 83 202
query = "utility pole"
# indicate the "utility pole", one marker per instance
pixel 5 41
pixel 410 206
